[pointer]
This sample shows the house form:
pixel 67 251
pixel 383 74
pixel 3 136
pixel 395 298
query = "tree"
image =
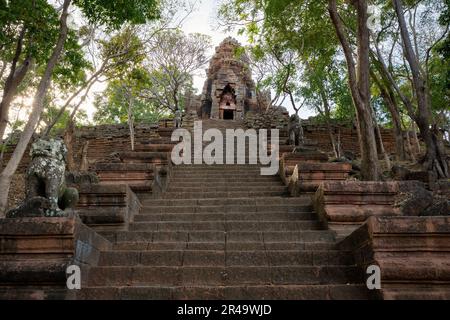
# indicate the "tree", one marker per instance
pixel 276 70
pixel 105 12
pixel 173 57
pixel 28 29
pixel 300 25
pixel 324 90
pixel 117 55
pixel 358 77
pixel 435 158
pixel 112 104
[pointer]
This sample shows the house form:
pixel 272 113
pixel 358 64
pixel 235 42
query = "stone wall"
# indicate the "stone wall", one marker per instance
pixel 412 253
pixel 91 144
pixel 348 138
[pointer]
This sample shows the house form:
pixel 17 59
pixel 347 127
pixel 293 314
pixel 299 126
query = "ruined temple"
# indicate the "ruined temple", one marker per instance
pixel 146 228
pixel 229 91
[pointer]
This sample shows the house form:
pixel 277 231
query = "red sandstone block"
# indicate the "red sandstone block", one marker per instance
pixel 37 250
pixel 412 253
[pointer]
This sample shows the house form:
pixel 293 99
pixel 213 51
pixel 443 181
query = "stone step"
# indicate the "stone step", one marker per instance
pixel 230 184
pixel 234 208
pixel 224 179
pixel 216 167
pixel 223 276
pixel 229 245
pixel 220 236
pixel 212 174
pixel 193 217
pixel 237 292
pixel 225 188
pixel 227 226
pixel 222 258
pixel 227 194
pixel 284 201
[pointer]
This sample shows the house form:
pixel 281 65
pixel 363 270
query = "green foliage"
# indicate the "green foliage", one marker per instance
pixel 51 111
pixel 124 52
pixel 113 104
pixel 39 22
pixel 115 13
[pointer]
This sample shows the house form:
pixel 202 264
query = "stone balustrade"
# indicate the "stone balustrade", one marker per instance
pixel 106 207
pixel 139 176
pixel 343 206
pixel 412 253
pixel 35 253
pixel 307 176
pixel 155 158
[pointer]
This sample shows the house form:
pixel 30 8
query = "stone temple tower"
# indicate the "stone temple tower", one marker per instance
pixel 229 91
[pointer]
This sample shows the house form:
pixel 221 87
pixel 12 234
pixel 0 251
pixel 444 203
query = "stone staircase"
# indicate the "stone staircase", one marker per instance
pixel 224 232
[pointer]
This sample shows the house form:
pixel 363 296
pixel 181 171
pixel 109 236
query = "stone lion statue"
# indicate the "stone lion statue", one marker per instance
pixel 46 191
pixel 295 130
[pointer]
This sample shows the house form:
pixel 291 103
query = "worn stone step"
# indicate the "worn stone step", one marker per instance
pixel 224 258
pixel 226 194
pixel 193 217
pixel 225 226
pixel 229 245
pixel 228 201
pixel 220 236
pixel 226 209
pixel 251 168
pixel 222 175
pixel 237 292
pixel 217 168
pixel 223 179
pixel 229 184
pixel 260 275
pixel 225 188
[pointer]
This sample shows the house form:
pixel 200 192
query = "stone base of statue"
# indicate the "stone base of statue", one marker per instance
pixel 36 252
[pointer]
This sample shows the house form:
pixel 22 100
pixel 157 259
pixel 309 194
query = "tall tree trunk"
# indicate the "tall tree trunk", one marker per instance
pixel 129 97
pixel 37 108
pixel 326 108
pixel 409 146
pixel 359 85
pixel 416 138
pixel 68 140
pixel 434 160
pixel 14 79
pixel 392 106
pixel 380 138
pixel 87 85
pixel 302 134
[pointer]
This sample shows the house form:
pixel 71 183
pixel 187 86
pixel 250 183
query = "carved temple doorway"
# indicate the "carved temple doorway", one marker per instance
pixel 227 104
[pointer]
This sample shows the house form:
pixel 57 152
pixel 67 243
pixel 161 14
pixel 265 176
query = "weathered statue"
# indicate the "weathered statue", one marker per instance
pixel 46 191
pixel 295 130
pixel 178 118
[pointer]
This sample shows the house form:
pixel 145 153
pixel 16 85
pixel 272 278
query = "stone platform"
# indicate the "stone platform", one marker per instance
pixel 35 252
pixel 107 206
pixel 343 206
pixel 307 176
pixel 412 252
